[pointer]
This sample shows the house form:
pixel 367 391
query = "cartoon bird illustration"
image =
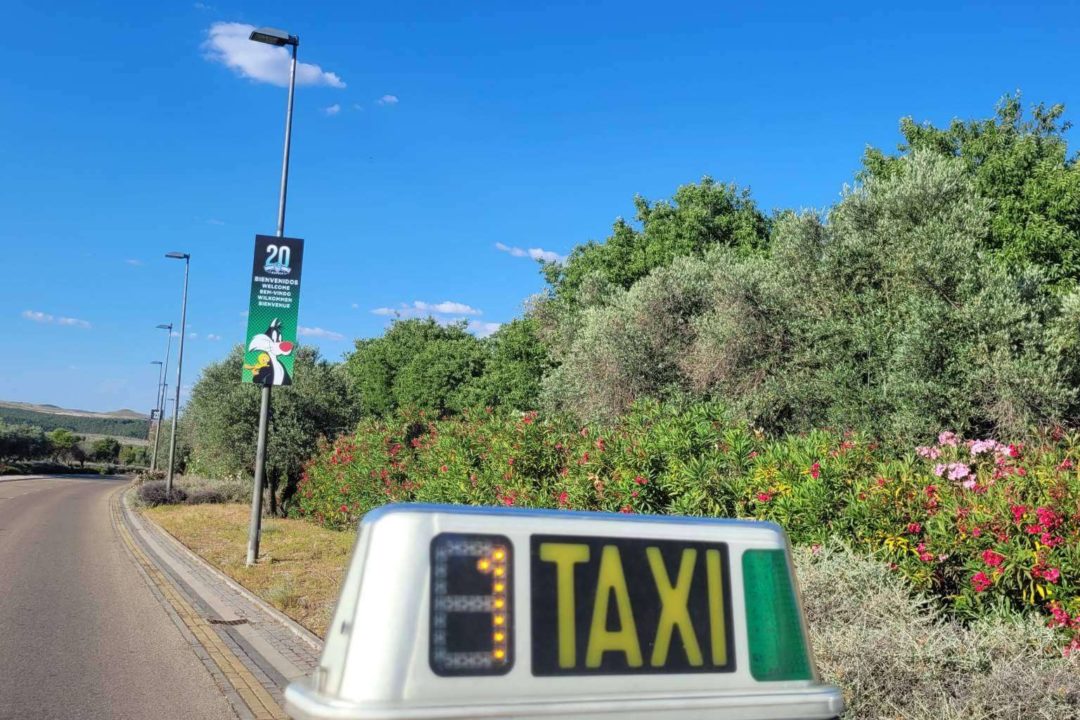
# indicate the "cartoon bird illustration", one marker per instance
pixel 270 371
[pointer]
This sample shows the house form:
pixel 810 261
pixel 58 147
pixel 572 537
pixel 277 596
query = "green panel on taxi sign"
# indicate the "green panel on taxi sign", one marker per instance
pixel 773 619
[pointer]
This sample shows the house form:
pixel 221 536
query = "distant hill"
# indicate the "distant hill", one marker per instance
pixel 119 423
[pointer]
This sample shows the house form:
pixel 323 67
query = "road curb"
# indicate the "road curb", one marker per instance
pixel 302 633
pixel 248 695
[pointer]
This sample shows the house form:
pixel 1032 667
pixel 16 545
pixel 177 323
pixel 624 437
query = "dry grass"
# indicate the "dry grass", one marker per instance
pixel 301 566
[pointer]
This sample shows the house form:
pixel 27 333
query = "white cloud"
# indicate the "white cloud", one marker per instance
pixel 134 263
pixel 193 335
pixel 356 306
pixel 419 307
pixel 483 329
pixel 534 253
pixel 41 317
pixel 228 44
pixel 203 6
pixel 212 336
pixel 388 100
pixel 332 110
pixel 318 332
pixel 358 106
pixel 215 221
pixel 174 333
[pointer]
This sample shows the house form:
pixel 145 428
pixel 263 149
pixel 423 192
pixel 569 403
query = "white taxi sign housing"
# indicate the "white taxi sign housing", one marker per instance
pixel 457 612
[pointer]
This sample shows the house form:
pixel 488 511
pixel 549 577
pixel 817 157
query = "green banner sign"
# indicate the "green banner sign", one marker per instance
pixel 272 314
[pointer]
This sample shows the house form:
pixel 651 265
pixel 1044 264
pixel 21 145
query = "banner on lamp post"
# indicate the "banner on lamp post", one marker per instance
pixel 273 311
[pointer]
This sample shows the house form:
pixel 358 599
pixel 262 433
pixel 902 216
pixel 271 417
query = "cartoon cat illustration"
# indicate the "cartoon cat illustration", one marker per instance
pixel 267 369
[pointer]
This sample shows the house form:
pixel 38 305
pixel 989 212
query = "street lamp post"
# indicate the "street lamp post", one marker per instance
pixel 277 38
pixel 179 367
pixel 167 327
pixel 157 398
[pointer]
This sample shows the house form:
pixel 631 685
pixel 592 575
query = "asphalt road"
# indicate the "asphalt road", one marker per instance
pixel 81 635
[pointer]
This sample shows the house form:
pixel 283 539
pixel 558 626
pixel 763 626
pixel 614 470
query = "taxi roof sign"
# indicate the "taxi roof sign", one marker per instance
pixel 464 612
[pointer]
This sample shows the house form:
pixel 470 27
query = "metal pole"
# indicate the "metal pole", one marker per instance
pixel 161 399
pixel 264 408
pixel 157 400
pixel 179 370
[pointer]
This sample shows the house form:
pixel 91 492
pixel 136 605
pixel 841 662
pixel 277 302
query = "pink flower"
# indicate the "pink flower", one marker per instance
pixel 815 549
pixel 981 582
pixel 980 446
pixel 344 508
pixel 1018 512
pixel 948 438
pixel 626 509
pixel 764 497
pixel 968 484
pixel 641 480
pixel 1047 517
pixel 1066 464
pixel 443 468
pixel 958 471
pixel 940 469
pixel 1014 450
pixel 600 445
pixel 1051 575
pixel 930 453
pixel 815 470
pixel 993 559
pixel 564 498
pixel 914 528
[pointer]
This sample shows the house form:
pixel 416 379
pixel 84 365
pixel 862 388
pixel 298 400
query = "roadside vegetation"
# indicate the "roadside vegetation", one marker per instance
pixel 29 449
pixel 894 379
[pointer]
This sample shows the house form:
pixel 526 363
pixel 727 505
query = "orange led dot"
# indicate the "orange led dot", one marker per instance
pixel 499 587
pixel 500 654
pixel 499 619
pixel 499 571
pixel 499 637
pixel 499 603
pixel 499 555
pixel 483 564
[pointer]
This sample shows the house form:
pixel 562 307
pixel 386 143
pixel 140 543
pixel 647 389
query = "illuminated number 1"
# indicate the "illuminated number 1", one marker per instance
pixel 471 605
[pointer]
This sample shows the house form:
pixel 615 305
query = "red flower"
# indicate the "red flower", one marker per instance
pixel 764 497
pixel 600 445
pixel 930 490
pixel 634 493
pixel 981 582
pixel 564 498
pixel 626 509
pixel 1018 512
pixel 641 480
pixel 815 471
pixel 1051 575
pixel 914 528
pixel 344 508
pixel 443 468
pixel 991 558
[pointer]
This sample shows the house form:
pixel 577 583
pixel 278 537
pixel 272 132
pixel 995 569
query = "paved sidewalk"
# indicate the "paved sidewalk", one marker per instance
pixel 272 647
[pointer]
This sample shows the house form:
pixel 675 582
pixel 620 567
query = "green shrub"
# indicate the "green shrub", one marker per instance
pixel 690 459
pixel 896 656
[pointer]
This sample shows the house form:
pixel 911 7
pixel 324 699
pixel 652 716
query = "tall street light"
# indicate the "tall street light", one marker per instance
pixel 167 327
pixel 179 367
pixel 277 38
pixel 157 399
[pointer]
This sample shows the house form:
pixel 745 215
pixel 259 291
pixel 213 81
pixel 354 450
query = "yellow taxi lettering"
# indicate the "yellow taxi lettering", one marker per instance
pixel 625 639
pixel 565 556
pixel 674 612
pixel 714 581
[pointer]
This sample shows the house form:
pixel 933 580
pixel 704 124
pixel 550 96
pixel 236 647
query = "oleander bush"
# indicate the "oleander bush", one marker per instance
pixel 898 655
pixel 975 524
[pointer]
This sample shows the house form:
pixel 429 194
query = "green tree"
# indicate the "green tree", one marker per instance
pixel 416 363
pixel 134 455
pixel 22 442
pixel 64 445
pixel 105 450
pixel 699 217
pixel 221 420
pixel 1021 165
pixel 516 362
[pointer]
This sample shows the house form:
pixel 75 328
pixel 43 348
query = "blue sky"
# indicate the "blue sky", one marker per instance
pixel 432 140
